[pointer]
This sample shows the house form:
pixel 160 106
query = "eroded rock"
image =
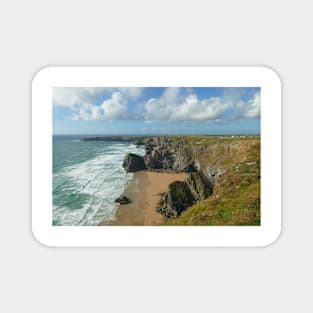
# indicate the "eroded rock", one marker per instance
pixel 200 186
pixel 133 163
pixel 123 200
pixel 176 200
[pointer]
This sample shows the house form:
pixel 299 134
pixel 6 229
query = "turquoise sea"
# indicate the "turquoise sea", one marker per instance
pixel 87 177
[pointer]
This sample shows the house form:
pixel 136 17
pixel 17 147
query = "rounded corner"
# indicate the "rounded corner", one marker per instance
pixel 38 239
pixel 275 238
pixel 272 73
pixel 40 73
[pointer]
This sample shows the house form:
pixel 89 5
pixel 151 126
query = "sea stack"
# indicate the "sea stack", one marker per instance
pixel 133 163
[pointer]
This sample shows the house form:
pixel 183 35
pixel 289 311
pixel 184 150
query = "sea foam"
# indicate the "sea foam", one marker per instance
pixel 84 193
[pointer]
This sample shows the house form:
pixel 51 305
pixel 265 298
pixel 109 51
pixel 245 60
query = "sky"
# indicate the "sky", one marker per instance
pixel 156 110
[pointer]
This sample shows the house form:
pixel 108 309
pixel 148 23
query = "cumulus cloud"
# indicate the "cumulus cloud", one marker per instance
pixel 174 104
pixel 193 109
pixel 253 106
pixel 81 101
pixel 163 107
pixel 115 107
pixel 131 92
pixel 76 96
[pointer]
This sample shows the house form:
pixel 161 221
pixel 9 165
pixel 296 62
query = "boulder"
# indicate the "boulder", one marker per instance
pixel 123 200
pixel 178 198
pixel 200 186
pixel 133 163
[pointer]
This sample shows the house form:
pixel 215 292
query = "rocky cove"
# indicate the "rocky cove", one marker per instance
pixel 192 180
pixel 164 154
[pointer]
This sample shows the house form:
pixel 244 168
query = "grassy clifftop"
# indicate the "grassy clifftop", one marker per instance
pixel 234 161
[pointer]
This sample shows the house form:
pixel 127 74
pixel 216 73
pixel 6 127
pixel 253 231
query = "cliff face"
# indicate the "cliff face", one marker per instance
pixel 223 187
pixel 230 169
pixel 201 187
pixel 176 200
pixel 174 155
pixel 163 153
pixel 182 195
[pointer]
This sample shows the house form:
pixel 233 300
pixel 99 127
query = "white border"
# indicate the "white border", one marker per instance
pixel 195 236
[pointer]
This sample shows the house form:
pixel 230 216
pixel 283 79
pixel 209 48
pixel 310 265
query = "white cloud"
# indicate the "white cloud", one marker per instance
pixel 193 109
pixel 80 100
pixel 253 106
pixel 164 107
pixel 76 96
pixel 131 92
pixel 116 107
pixel 173 105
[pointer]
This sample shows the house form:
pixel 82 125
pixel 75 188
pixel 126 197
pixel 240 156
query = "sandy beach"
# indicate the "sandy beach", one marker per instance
pixel 144 191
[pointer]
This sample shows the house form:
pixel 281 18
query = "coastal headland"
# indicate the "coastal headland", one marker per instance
pixel 191 180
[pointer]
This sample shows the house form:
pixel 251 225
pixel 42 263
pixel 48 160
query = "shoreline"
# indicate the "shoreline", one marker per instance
pixel 145 191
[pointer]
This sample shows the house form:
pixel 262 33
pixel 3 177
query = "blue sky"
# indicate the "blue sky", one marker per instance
pixel 156 110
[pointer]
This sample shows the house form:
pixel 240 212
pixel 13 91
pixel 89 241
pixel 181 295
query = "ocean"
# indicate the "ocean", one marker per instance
pixel 87 177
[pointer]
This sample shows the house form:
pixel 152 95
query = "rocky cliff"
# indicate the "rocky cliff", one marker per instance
pixel 176 200
pixel 182 195
pixel 223 187
pixel 200 186
pixel 165 154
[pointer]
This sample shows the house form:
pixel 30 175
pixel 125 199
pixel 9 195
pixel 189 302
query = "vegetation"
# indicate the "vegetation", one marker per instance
pixel 236 196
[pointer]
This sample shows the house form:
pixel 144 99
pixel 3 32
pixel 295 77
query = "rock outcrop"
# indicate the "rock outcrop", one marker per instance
pixel 183 161
pixel 133 163
pixel 178 198
pixel 168 155
pixel 181 195
pixel 199 185
pixel 159 158
pixel 212 174
pixel 123 200
pixel 165 154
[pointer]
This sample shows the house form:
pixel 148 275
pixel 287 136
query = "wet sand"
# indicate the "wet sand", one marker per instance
pixel 144 191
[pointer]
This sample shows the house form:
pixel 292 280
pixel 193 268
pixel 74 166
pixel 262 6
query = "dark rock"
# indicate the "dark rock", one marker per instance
pixel 178 198
pixel 134 163
pixel 184 161
pixel 123 200
pixel 164 154
pixel 149 147
pixel 139 142
pixel 200 186
pixel 159 158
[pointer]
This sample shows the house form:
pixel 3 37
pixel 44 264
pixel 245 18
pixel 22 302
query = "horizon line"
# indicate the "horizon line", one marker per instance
pixel 156 134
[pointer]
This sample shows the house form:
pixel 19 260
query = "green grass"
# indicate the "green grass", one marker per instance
pixel 236 196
